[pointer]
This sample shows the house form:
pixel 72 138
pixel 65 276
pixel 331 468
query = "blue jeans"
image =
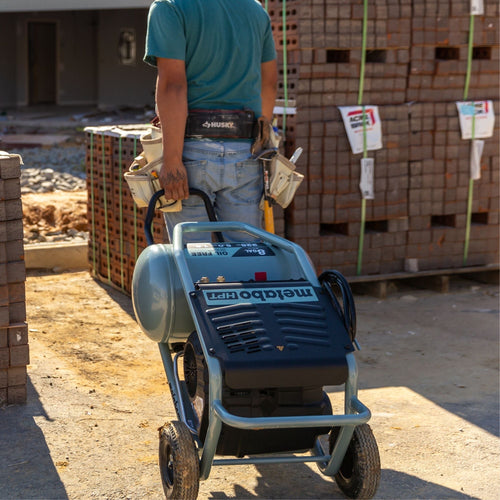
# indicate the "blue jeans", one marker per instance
pixel 232 180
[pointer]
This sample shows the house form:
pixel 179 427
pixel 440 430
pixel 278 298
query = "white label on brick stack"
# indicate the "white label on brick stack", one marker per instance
pixel 353 122
pixel 484 118
pixel 476 152
pixel 477 7
pixel 366 182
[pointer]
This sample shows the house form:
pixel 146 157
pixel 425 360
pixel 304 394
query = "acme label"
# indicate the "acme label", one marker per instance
pixel 230 296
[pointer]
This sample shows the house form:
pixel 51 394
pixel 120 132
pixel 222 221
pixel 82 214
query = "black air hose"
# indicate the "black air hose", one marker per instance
pixel 332 280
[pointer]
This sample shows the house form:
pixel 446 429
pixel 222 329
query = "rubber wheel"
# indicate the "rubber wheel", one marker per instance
pixel 359 474
pixel 179 464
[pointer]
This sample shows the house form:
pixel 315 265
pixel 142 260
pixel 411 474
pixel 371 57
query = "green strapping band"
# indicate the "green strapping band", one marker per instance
pixel 121 212
pixel 365 152
pixel 469 199
pixel 285 67
pixel 471 181
pixel 468 221
pixel 469 57
pixel 105 200
pixel 135 211
pixel 92 201
pixel 363 53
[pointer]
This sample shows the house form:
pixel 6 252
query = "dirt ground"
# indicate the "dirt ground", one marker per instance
pixel 97 394
pixel 47 216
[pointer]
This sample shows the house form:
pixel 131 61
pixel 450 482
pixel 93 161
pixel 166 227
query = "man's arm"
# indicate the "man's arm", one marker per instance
pixel 269 75
pixel 171 101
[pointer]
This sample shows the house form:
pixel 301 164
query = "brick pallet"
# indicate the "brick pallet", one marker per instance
pixel 14 349
pixel 116 223
pixel 416 63
pixel 438 57
pixel 438 191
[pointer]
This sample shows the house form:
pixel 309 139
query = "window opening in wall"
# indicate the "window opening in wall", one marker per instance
pixel 377 226
pixel 479 218
pixel 337 56
pixel 443 221
pixel 376 56
pixel 482 53
pixel 447 53
pixel 341 228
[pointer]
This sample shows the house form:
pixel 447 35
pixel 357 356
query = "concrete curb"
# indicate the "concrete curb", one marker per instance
pixel 57 256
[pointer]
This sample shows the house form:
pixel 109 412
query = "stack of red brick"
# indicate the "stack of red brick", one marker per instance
pixel 439 159
pixel 14 349
pixel 439 172
pixel 416 62
pixel 325 217
pixel 285 23
pixel 116 223
pixel 416 65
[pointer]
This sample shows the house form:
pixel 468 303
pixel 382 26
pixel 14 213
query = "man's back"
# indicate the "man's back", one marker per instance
pixel 223 43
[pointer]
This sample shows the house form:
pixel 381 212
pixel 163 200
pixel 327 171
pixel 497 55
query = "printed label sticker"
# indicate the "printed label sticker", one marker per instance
pixel 483 115
pixel 475 158
pixel 229 250
pixel 477 7
pixel 367 175
pixel 353 123
pixel 229 296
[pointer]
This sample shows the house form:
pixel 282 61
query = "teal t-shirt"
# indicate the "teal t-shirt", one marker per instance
pixel 223 43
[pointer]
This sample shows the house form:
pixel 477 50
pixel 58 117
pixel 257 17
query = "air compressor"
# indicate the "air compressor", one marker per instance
pixel 258 336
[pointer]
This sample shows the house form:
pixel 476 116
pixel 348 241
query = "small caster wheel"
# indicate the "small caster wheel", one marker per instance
pixel 179 464
pixel 359 474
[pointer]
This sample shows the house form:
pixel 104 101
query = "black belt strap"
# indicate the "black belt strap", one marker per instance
pixel 235 124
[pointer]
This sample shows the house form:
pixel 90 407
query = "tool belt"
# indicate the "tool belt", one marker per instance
pixel 216 123
pixel 143 174
pixel 281 180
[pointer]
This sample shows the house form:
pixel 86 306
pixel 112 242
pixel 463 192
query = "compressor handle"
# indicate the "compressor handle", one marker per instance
pixel 152 207
pixel 303 260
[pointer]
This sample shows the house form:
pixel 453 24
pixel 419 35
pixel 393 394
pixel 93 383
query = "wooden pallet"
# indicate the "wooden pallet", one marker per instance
pixel 437 279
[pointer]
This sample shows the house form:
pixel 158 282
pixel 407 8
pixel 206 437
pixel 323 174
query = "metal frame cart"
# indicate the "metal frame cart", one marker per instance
pixel 259 336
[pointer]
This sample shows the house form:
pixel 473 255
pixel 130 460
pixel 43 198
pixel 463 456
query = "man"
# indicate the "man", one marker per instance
pixel 211 55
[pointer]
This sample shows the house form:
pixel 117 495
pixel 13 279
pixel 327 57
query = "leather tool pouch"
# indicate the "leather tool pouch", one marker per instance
pixel 143 182
pixel 281 180
pixel 231 124
pixel 142 176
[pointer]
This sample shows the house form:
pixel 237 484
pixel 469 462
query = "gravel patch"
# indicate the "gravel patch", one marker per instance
pixel 57 168
pixel 53 188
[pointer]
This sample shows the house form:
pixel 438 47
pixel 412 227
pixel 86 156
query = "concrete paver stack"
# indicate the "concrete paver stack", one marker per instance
pixel 14 349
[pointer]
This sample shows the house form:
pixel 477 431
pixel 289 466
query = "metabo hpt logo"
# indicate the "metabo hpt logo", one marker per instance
pixel 230 296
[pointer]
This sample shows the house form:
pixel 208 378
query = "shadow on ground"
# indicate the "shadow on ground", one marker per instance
pixel 302 482
pixel 433 354
pixel 26 466
pixel 442 346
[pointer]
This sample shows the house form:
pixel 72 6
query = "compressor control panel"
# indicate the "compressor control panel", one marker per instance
pixel 272 334
pixel 240 261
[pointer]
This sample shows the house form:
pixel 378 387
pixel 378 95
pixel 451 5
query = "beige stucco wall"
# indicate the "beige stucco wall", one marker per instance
pixel 88 71
pixel 123 84
pixel 51 5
